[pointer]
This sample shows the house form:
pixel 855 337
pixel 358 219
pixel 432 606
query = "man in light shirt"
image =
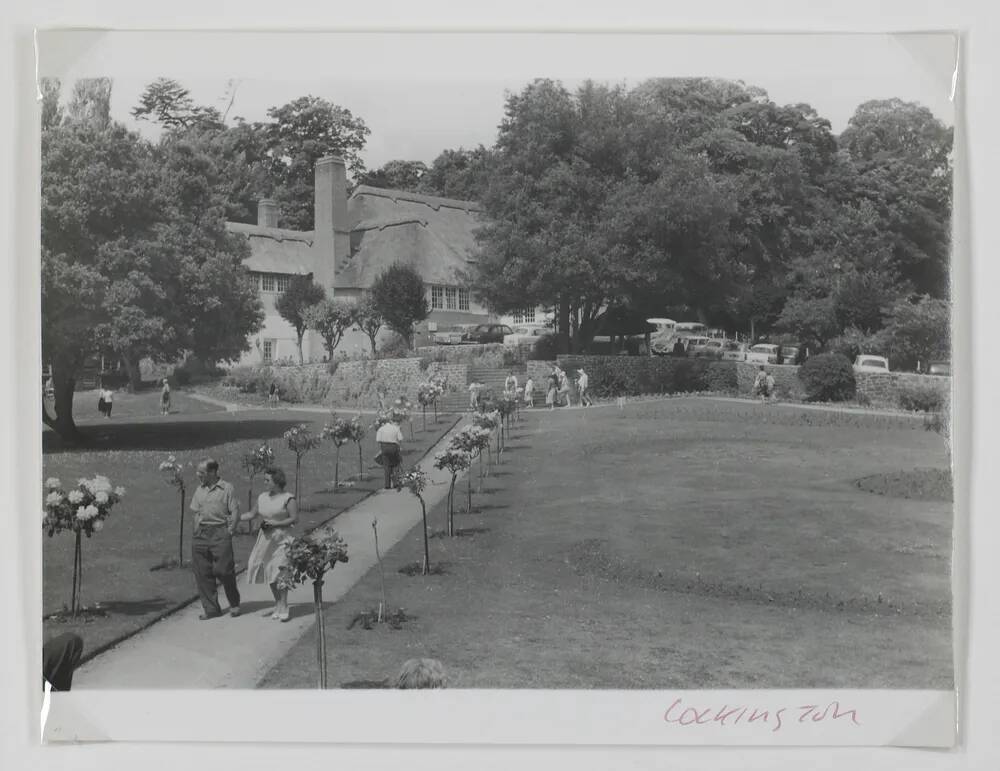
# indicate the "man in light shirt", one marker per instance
pixel 216 515
pixel 389 438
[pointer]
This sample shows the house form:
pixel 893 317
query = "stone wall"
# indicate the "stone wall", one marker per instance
pixel 356 384
pixel 490 354
pixel 884 390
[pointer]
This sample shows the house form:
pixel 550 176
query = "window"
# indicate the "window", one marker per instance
pixel 463 299
pixel 437 297
pixel 282 282
pixel 266 282
pixel 526 316
pixel 451 293
pixel 268 350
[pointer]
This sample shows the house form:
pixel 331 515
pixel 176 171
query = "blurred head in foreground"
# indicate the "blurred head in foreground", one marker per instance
pixel 422 673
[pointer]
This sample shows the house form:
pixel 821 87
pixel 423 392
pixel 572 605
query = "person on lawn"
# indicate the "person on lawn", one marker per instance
pixel 278 512
pixel 760 384
pixel 529 393
pixel 552 390
pixel 582 382
pixel 510 384
pixel 272 396
pixel 389 438
pixel 165 398
pixel 216 516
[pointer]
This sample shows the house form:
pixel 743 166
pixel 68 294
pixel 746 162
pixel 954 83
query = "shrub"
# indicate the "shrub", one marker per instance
pixel 920 397
pixel 395 348
pixel 545 348
pixel 828 377
pixel 181 376
pixel 247 380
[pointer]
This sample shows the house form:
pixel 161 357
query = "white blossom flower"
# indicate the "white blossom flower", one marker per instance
pixel 81 513
pixel 53 483
pixel 81 482
pixel 100 484
pixel 98 526
pixel 75 496
pixel 120 491
pixel 91 511
pixel 101 497
pixel 53 499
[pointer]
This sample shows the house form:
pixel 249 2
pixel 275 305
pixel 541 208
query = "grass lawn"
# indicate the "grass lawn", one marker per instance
pixel 682 544
pixel 142 531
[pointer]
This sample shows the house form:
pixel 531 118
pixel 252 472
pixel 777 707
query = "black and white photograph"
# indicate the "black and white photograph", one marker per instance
pixel 569 379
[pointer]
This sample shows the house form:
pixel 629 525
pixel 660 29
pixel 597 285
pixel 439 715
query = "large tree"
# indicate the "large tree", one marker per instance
pixel 398 294
pixel 299 134
pixel 136 260
pixel 294 303
pixel 461 174
pixel 167 102
pixel 396 175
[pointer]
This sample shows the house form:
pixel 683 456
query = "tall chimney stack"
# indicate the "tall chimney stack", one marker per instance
pixel 267 213
pixel 332 231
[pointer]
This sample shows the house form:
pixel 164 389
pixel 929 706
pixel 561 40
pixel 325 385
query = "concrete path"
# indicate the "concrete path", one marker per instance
pixel 182 652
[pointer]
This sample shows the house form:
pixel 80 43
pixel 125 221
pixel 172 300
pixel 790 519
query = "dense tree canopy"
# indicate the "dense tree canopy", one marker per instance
pixel 136 260
pixel 398 297
pixel 705 197
pixel 295 304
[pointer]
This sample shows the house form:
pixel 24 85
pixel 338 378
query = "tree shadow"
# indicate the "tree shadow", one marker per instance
pixel 137 607
pixel 201 433
pixel 490 507
pixel 465 532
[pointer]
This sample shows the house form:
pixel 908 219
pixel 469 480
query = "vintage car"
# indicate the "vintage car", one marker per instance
pixel 526 334
pixel 487 333
pixel 453 335
pixel 866 363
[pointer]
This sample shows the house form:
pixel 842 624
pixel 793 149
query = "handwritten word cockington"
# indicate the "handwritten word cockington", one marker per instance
pixel 775 718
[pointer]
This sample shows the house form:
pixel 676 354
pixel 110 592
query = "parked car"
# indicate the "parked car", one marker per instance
pixel 789 353
pixel 705 348
pixel 453 335
pixel 939 368
pixel 867 363
pixel 527 334
pixel 734 351
pixel 763 353
pixel 488 333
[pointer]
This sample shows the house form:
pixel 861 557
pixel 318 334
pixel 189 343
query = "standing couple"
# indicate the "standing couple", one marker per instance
pixel 216 512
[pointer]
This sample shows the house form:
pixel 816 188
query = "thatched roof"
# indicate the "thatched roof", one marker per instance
pixel 275 250
pixel 434 235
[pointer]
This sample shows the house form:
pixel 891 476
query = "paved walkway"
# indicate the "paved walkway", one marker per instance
pixel 182 652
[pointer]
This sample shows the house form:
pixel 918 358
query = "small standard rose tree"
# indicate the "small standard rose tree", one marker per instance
pixel 415 481
pixel 309 557
pixel 402 412
pixel 455 461
pixel 338 432
pixel 426 395
pixel 82 511
pixel 256 462
pixel 357 433
pixel 301 440
pixel 173 473
pixel 472 439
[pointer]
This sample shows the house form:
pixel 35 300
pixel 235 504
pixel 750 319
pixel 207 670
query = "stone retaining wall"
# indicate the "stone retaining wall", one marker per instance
pixel 357 383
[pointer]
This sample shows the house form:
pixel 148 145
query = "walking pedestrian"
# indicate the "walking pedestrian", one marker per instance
pixel 474 391
pixel 510 384
pixel 272 396
pixel 269 557
pixel 529 393
pixel 552 390
pixel 216 515
pixel 108 398
pixel 389 438
pixel 760 386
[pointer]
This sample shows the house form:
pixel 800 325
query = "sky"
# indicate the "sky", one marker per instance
pixel 416 120
pixel 424 93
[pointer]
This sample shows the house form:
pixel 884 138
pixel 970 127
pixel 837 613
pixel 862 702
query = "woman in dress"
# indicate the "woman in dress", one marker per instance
pixel 278 512
pixel 550 393
pixel 165 398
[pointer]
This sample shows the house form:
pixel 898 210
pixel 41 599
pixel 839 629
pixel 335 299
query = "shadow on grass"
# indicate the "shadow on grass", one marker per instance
pixel 465 532
pixel 210 431
pixel 137 607
pixel 489 507
pixel 508 447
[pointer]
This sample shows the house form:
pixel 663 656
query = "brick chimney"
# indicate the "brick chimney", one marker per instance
pixel 332 236
pixel 267 213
